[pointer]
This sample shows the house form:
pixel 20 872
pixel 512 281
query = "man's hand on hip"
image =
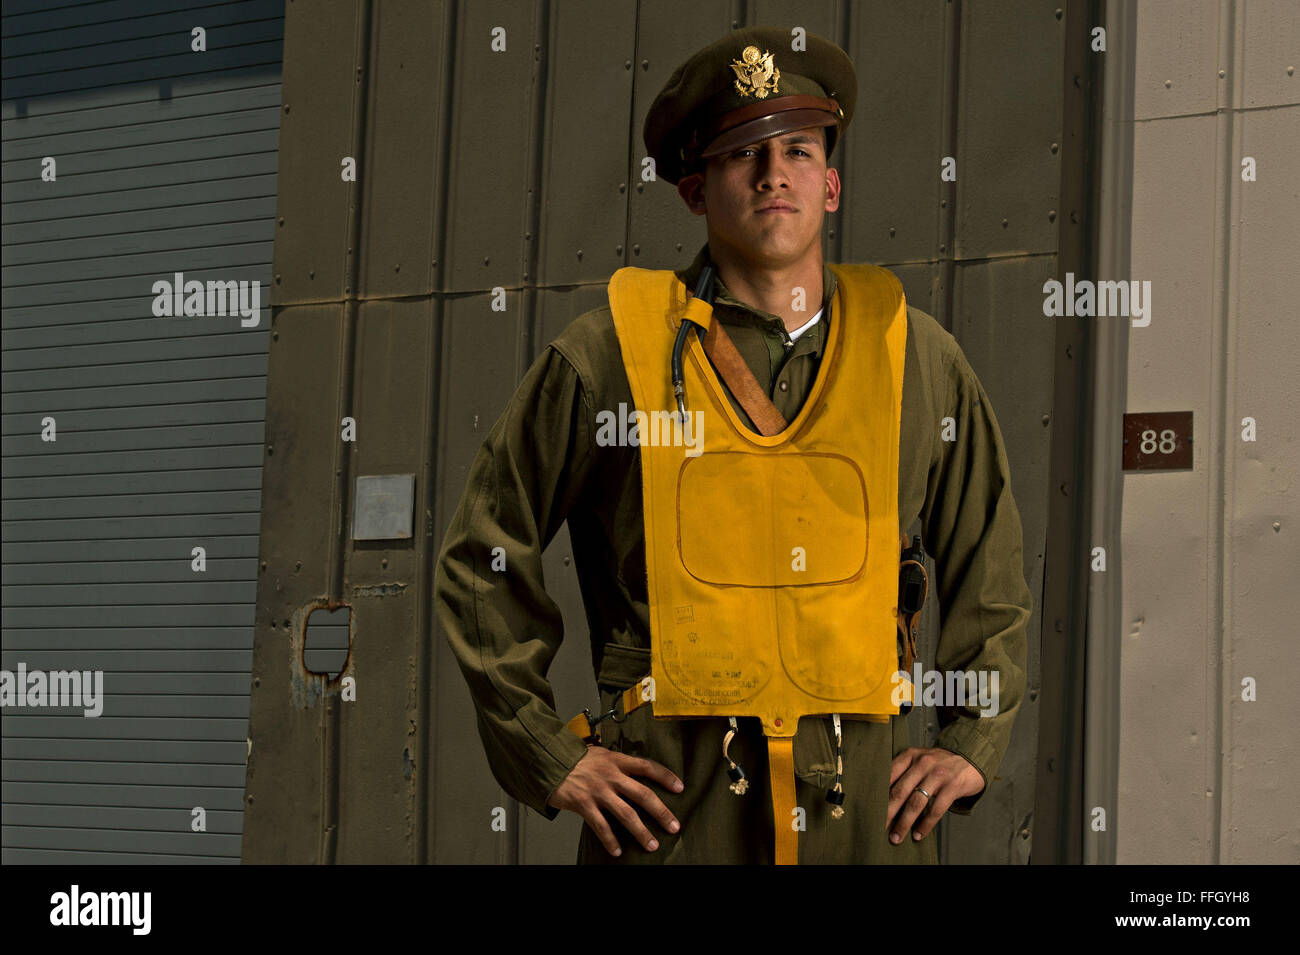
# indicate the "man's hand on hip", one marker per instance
pixel 600 780
pixel 943 774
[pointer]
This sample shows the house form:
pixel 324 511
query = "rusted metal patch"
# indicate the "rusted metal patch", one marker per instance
pixel 378 590
pixel 306 687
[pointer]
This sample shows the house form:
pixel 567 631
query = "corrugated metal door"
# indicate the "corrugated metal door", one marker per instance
pixel 518 167
pixel 165 162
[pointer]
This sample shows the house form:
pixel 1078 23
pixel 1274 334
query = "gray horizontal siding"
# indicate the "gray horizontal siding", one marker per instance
pixel 166 163
pixel 25 775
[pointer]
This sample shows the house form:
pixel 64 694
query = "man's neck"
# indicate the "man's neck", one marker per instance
pixel 774 290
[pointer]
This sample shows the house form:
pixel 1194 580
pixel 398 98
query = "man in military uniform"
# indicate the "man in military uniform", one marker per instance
pixel 745 129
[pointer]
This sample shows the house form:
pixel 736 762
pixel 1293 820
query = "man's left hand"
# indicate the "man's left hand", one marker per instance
pixel 943 774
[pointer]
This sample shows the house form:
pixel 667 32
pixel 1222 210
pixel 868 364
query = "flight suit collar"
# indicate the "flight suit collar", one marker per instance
pixel 730 310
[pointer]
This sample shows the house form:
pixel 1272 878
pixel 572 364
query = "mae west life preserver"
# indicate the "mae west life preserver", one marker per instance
pixel 772 561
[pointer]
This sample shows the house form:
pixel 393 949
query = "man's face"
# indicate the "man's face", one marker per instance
pixel 766 201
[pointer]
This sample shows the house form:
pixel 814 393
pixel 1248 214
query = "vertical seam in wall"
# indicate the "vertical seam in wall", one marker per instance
pixel 1106 624
pixel 330 714
pixel 426 740
pixel 946 229
pixel 836 249
pixel 1220 430
pixel 948 147
pixel 633 161
pixel 535 176
pixel 530 323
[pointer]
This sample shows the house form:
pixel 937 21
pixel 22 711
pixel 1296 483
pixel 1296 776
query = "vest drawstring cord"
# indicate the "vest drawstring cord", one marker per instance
pixel 737 775
pixel 835 795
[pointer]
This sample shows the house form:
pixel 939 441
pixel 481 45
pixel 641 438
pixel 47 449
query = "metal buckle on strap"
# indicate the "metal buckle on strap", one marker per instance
pixel 594 721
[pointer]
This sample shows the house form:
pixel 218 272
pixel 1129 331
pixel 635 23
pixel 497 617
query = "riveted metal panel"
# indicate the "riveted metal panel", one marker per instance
pixel 822 17
pixel 494 139
pixel 585 171
pixel 1167 563
pixel 1267 41
pixel 313 232
pixel 299 500
pixel 920 284
pixel 406 147
pixel 996 302
pixel 662 232
pixel 1174 76
pixel 556 308
pixel 377 742
pixel 480 365
pixel 1009 118
pixel 890 207
pixel 1263 550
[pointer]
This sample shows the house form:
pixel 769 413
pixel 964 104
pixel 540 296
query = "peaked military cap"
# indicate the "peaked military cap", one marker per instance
pixel 748 86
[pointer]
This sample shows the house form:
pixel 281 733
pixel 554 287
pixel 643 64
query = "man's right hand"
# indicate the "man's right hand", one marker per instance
pixel 600 780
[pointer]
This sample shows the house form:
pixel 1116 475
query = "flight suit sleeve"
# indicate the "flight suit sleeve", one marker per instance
pixel 972 529
pixel 503 628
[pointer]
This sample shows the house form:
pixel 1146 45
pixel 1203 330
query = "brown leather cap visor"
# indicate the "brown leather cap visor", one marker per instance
pixel 758 121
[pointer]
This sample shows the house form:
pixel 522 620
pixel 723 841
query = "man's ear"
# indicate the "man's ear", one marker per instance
pixel 691 189
pixel 832 190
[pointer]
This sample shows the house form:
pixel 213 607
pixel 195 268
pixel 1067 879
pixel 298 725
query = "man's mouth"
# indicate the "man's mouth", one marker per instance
pixel 776 207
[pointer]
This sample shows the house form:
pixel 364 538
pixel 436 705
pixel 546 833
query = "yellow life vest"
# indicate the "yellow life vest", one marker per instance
pixel 772 562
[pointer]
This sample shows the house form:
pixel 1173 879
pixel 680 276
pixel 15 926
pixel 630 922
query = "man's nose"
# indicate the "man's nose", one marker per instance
pixel 772 172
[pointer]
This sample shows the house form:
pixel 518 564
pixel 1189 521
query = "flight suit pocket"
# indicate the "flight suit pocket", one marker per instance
pixel 814 756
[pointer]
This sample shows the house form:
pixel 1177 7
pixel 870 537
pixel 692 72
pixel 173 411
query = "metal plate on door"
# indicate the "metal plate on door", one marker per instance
pixel 384 505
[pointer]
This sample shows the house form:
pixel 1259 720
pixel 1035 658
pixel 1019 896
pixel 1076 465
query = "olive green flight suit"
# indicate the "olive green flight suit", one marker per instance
pixel 541 465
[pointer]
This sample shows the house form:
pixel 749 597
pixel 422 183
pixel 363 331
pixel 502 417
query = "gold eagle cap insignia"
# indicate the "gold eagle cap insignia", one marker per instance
pixel 756 74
